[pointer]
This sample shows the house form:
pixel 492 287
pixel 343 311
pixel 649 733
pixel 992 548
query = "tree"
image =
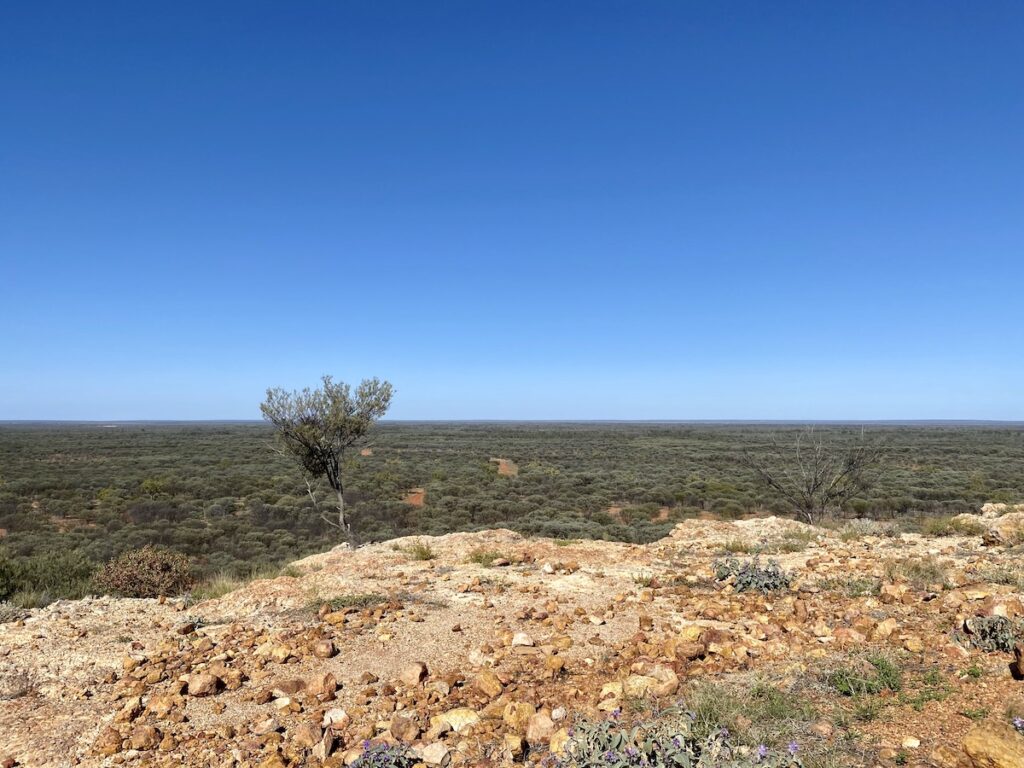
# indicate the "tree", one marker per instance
pixel 317 426
pixel 816 477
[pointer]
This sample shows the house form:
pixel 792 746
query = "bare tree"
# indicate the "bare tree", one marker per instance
pixel 814 476
pixel 317 426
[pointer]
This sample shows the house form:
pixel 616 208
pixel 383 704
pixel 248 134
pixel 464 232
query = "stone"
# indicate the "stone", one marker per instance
pixel 993 745
pixel 325 649
pixel 203 684
pixel 487 683
pixel 323 686
pixel 404 728
pixel 517 715
pixel 434 754
pixel 539 729
pixel 108 743
pixel 306 735
pixel 521 639
pixel 458 719
pixel 413 674
pixel 336 718
pixel 144 737
pixel 514 745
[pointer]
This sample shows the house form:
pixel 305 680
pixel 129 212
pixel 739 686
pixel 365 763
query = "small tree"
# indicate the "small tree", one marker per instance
pixel 815 476
pixel 317 426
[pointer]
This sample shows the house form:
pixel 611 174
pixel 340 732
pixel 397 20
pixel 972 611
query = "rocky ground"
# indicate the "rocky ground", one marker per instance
pixel 485 648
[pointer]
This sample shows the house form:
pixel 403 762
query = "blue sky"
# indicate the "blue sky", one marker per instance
pixel 653 210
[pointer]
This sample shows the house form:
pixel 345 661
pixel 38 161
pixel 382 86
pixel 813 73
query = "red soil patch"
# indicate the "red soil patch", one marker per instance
pixel 506 467
pixel 615 512
pixel 662 515
pixel 415 496
pixel 3 532
pixel 366 452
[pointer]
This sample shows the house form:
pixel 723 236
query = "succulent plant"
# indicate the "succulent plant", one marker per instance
pixel 750 575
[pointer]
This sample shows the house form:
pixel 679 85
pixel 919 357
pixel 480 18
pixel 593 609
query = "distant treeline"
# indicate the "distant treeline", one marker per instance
pixel 218 493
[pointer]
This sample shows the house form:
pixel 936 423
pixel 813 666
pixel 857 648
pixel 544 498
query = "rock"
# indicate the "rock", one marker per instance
pixel 108 743
pixel 202 684
pixel 323 686
pixel 993 745
pixel 325 649
pixel 336 718
pixel 404 728
pixel 434 754
pixel 1017 666
pixel 558 741
pixel 305 735
pixel 144 737
pixel 910 742
pixel 521 639
pixel 539 729
pixel 413 674
pixel 487 683
pixel 514 745
pixel 457 719
pixel 517 715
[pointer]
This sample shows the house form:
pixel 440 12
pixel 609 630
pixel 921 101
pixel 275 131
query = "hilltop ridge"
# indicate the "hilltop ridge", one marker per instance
pixel 483 648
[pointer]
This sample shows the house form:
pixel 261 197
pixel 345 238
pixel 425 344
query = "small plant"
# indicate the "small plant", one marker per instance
pixel 921 572
pixel 750 575
pixel 643 579
pixel 992 633
pixel 363 600
pixel 975 714
pixel 668 742
pixel 739 547
pixel 878 674
pixel 485 557
pixel 420 551
pixel 974 672
pixel 146 572
pixel 9 612
pixel 384 756
pixel 852 587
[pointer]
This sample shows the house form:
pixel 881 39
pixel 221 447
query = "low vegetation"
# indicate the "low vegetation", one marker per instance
pixel 218 494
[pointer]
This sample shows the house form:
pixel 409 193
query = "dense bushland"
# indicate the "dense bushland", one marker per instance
pixel 218 493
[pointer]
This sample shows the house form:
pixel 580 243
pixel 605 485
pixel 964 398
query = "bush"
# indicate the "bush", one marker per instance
pixel 146 572
pixel 874 676
pixel 39 579
pixel 666 743
pixel 750 575
pixel 994 633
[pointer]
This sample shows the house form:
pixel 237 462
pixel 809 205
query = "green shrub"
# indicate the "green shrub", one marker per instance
pixel 37 580
pixel 750 575
pixel 878 674
pixel 420 551
pixel 665 742
pixel 993 633
pixel 146 572
pixel 384 756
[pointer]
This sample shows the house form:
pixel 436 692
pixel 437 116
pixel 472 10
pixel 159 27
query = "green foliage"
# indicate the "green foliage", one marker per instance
pixel 879 673
pixel 146 572
pixel 750 575
pixel 485 557
pixel 232 506
pixel 921 572
pixel 45 577
pixel 420 550
pixel 384 756
pixel 361 600
pixel 317 426
pixel 665 742
pixel 993 633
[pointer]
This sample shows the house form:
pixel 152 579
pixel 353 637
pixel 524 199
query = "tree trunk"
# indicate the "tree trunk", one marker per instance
pixel 341 510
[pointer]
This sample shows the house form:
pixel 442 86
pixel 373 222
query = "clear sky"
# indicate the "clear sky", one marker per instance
pixel 592 209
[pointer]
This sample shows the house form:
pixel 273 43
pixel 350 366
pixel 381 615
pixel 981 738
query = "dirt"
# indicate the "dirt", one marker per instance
pixel 606 609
